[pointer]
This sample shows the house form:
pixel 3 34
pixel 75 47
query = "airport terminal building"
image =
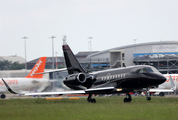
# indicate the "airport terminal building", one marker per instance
pixel 163 55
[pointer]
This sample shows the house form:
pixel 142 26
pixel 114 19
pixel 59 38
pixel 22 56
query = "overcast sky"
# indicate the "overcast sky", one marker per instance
pixel 111 23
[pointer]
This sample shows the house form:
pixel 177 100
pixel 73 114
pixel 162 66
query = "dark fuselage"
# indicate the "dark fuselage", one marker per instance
pixel 127 78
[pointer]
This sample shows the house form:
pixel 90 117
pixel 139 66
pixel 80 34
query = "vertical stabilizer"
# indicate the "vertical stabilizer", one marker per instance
pixel 73 66
pixel 173 86
pixel 38 68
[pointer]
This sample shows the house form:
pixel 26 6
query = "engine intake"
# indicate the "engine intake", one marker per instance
pixel 81 77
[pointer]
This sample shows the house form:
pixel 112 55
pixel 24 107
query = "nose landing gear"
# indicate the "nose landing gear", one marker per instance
pixel 128 98
pixel 148 94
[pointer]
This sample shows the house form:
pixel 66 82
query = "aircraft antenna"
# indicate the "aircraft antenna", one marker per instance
pixel 64 40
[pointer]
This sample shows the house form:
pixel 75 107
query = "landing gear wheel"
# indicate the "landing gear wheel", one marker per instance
pixel 3 96
pixel 161 94
pixel 92 100
pixel 127 99
pixel 148 98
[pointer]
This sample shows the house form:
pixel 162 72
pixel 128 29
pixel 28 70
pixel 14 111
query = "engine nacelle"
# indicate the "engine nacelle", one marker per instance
pixel 81 77
pixel 78 81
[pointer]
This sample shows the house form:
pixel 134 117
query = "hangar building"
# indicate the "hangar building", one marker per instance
pixel 13 59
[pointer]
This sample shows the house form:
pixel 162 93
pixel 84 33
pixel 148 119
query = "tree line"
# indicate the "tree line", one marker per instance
pixel 8 65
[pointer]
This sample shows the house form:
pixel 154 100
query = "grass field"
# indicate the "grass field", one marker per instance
pixel 106 108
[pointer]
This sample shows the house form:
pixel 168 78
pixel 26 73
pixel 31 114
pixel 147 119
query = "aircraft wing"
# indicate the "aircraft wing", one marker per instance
pixel 56 70
pixel 9 89
pixel 61 92
pixel 58 93
pixel 72 92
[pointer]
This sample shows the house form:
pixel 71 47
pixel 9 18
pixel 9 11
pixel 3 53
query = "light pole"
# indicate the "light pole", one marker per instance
pixel 90 44
pixel 135 44
pixel 90 49
pixel 56 59
pixel 52 37
pixel 25 52
pixel 135 50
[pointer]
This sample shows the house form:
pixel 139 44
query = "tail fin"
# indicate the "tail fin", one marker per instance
pixel 73 66
pixel 173 86
pixel 38 68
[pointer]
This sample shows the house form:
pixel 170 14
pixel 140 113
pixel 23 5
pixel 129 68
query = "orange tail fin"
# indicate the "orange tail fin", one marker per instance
pixel 38 68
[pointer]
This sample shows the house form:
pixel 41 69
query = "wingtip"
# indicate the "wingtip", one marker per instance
pixel 8 88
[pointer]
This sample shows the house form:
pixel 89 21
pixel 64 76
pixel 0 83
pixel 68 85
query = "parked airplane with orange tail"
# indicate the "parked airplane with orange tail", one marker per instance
pixel 27 82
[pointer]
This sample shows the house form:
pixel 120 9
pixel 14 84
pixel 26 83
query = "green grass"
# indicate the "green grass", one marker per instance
pixel 106 108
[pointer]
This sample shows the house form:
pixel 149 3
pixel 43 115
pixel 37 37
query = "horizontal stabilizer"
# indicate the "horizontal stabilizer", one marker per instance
pixel 56 70
pixel 161 90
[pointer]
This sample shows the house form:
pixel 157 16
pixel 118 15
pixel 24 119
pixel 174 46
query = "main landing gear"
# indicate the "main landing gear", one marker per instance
pixel 3 96
pixel 128 98
pixel 90 99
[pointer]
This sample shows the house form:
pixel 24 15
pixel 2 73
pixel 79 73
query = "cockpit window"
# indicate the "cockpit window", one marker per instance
pixel 155 70
pixel 144 70
pixel 148 70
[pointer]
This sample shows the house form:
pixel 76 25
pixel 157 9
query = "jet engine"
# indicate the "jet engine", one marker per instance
pixel 81 77
pixel 79 81
pixel 76 78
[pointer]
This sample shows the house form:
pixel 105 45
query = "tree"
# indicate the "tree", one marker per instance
pixel 5 65
pixel 17 66
pixel 8 65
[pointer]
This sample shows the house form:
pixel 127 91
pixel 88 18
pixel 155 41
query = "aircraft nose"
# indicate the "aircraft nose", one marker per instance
pixel 158 78
pixel 162 79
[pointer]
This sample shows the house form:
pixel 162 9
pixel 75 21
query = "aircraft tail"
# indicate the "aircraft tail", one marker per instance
pixel 38 68
pixel 73 66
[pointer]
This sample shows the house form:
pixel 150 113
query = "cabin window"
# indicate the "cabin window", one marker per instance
pixel 107 77
pixel 119 76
